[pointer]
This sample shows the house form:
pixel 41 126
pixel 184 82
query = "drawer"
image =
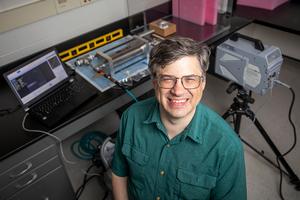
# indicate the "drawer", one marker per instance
pixel 11 174
pixel 29 178
pixel 54 186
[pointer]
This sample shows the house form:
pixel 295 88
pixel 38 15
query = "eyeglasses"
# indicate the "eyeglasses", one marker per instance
pixel 188 82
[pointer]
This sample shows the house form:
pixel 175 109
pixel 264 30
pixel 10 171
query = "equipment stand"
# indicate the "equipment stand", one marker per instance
pixel 241 108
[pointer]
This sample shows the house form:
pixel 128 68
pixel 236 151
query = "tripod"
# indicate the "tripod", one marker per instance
pixel 240 107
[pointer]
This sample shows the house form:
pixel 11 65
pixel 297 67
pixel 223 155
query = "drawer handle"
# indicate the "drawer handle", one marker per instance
pixel 34 176
pixel 28 166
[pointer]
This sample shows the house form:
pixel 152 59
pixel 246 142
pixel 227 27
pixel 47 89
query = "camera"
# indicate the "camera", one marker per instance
pixel 249 63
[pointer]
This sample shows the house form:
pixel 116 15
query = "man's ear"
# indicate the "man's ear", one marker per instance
pixel 203 84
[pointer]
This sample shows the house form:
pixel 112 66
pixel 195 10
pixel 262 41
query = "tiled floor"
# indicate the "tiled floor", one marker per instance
pixel 271 110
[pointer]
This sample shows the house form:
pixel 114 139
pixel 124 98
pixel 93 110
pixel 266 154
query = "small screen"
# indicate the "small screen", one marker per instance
pixel 37 77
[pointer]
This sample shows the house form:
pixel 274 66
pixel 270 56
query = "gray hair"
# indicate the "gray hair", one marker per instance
pixel 175 48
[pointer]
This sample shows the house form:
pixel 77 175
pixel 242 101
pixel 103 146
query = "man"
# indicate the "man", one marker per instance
pixel 173 147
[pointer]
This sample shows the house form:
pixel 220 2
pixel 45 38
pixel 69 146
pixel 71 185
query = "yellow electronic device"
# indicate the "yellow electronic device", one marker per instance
pixel 90 45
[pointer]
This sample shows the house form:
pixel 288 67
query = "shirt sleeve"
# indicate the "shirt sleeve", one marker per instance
pixel 119 163
pixel 231 182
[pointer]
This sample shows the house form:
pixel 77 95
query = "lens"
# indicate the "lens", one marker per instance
pixel 191 82
pixel 167 82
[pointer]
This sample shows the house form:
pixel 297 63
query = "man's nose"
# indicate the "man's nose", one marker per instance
pixel 178 88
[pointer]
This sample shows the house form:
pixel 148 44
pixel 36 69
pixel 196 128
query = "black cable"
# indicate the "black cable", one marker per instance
pixel 84 184
pixel 85 181
pixel 79 190
pixel 105 195
pixel 280 181
pixel 292 123
pixel 293 145
pixel 7 111
pixel 87 145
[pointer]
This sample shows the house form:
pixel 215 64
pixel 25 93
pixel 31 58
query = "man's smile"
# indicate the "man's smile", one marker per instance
pixel 178 102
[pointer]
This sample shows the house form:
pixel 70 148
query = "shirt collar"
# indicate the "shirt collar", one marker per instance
pixel 154 115
pixel 195 128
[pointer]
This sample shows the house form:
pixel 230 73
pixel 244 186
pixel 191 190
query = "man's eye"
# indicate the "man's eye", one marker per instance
pixel 190 78
pixel 166 79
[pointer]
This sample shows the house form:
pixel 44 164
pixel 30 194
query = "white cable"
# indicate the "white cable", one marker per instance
pixel 51 135
pixel 282 84
pixel 266 101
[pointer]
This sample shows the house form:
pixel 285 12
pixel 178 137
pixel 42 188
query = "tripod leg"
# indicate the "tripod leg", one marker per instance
pixel 293 177
pixel 237 123
pixel 226 114
pixel 236 119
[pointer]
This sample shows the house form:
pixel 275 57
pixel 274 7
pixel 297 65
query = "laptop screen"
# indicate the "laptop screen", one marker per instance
pixel 36 78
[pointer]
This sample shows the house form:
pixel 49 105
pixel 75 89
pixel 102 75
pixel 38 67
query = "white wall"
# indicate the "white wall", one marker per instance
pixel 28 39
pixel 288 43
pixel 136 6
pixel 34 37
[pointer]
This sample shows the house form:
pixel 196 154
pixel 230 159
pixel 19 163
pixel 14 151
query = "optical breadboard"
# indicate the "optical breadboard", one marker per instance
pixel 124 60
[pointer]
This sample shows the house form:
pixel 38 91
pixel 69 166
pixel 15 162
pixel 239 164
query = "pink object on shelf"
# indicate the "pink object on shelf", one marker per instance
pixel 191 10
pixel 211 12
pixel 196 11
pixel 175 8
pixel 265 4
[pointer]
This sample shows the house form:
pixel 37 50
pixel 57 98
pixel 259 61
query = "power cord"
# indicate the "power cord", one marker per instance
pixel 49 134
pixel 86 179
pixel 294 133
pixel 6 111
pixel 90 147
pixel 119 85
pixel 89 176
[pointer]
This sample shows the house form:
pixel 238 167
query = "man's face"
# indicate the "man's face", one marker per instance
pixel 179 102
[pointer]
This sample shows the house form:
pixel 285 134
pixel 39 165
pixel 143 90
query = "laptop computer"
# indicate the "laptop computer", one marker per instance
pixel 45 90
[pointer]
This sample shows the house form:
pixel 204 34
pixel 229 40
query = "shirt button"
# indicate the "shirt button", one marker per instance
pixel 158 198
pixel 168 145
pixel 162 173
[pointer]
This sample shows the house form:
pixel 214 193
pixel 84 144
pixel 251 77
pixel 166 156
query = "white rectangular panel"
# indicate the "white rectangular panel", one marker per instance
pixel 25 14
pixel 136 6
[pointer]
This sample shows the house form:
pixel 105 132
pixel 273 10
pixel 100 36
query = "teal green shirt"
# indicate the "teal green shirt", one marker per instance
pixel 204 162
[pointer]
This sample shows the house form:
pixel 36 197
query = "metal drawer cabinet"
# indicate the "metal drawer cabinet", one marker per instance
pixel 54 186
pixel 29 178
pixel 15 171
pixel 36 172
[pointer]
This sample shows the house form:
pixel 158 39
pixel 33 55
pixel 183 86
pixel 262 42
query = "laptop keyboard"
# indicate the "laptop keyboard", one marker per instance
pixel 60 98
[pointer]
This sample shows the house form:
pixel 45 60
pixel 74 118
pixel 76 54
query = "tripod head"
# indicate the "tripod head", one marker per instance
pixel 243 95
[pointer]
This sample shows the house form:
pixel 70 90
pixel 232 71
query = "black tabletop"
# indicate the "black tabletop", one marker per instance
pixel 285 17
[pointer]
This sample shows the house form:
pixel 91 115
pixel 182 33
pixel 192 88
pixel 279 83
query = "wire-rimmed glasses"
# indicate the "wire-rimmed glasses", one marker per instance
pixel 188 81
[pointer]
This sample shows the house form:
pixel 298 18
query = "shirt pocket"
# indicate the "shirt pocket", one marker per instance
pixel 195 186
pixel 135 155
pixel 137 161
